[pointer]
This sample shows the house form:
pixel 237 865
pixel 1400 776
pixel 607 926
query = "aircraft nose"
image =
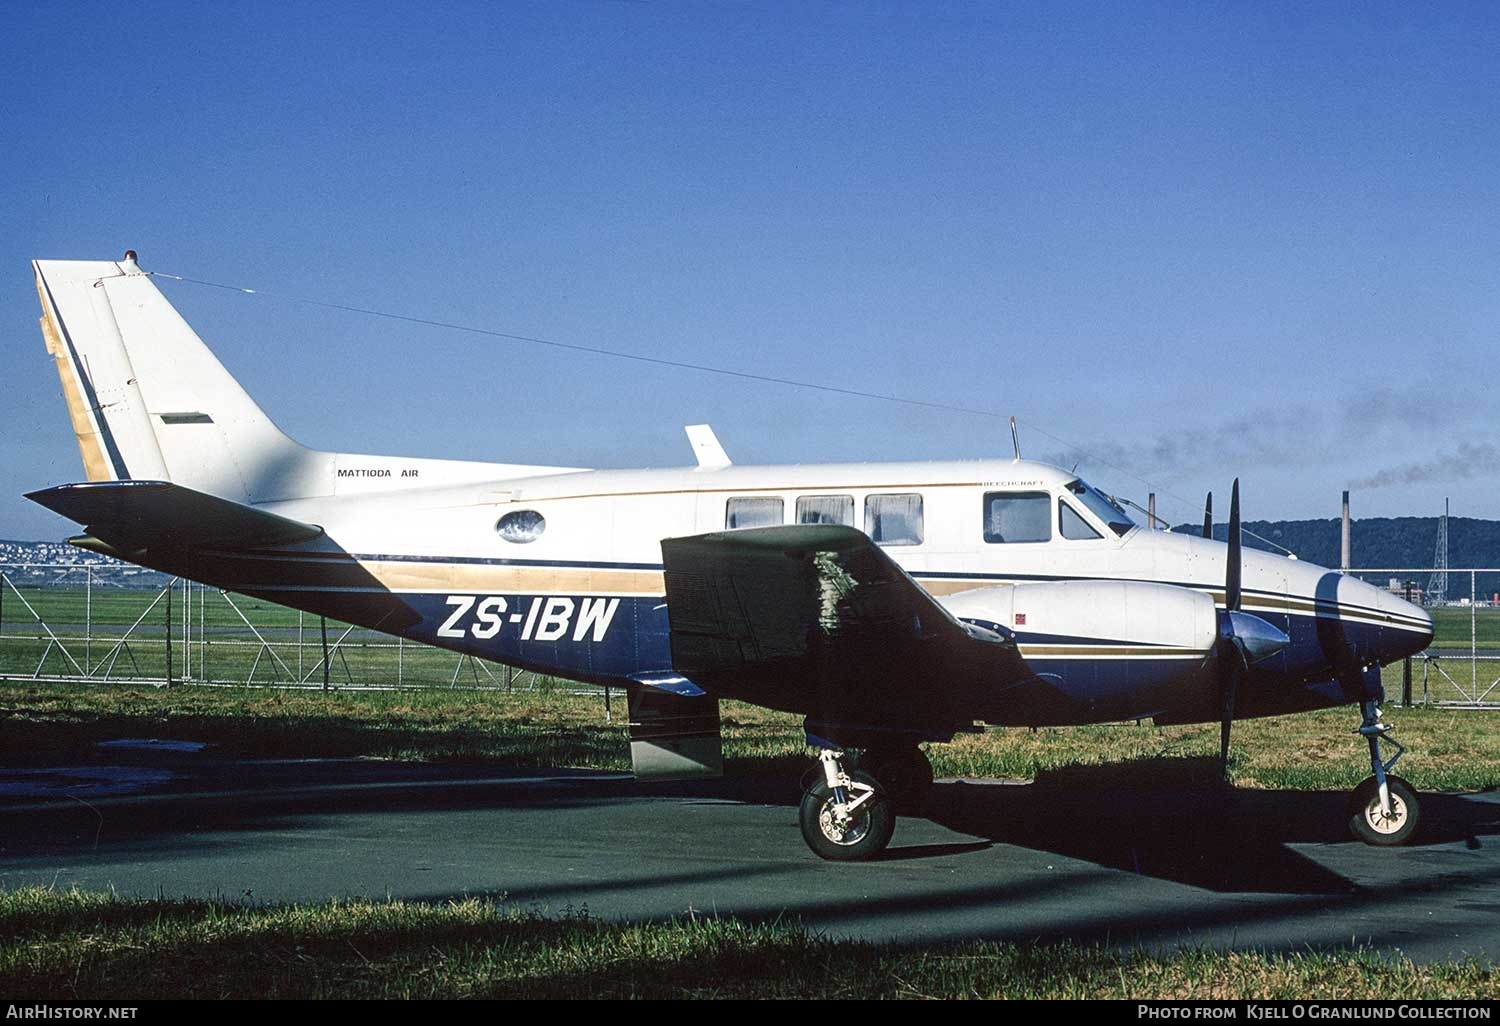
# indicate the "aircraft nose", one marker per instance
pixel 1407 629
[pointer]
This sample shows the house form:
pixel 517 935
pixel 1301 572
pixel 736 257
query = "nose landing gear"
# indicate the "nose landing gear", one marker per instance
pixel 1383 809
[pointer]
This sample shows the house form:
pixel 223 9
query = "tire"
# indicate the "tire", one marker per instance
pixel 1366 821
pixel 905 774
pixel 868 834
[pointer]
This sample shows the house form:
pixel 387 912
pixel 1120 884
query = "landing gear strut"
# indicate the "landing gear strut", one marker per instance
pixel 845 817
pixel 1383 809
pixel 903 772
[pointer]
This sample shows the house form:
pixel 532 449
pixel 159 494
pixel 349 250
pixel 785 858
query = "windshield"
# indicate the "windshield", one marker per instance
pixel 1102 506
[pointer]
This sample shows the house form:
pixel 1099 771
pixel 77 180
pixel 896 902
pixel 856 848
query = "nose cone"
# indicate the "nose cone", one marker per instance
pixel 1405 629
pixel 1410 630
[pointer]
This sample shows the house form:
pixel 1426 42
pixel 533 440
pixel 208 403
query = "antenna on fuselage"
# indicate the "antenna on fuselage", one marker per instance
pixel 1015 439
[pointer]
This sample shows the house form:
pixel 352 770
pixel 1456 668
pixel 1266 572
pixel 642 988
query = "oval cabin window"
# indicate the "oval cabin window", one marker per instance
pixel 522 526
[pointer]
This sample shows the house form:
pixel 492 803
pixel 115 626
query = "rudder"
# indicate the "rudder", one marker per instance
pixel 146 397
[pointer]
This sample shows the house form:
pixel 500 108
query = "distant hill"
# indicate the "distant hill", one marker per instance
pixel 1383 542
pixel 27 562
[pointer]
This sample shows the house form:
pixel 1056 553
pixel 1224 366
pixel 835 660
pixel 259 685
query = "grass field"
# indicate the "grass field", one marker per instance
pixel 215 644
pixel 67 946
pixel 1453 627
pixel 550 726
pixel 268 644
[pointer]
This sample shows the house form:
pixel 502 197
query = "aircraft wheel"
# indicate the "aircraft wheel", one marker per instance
pixel 904 773
pixel 854 837
pixel 1371 825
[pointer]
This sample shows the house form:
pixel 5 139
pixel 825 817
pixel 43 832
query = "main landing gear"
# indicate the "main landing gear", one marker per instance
pixel 1383 809
pixel 845 817
pixel 904 773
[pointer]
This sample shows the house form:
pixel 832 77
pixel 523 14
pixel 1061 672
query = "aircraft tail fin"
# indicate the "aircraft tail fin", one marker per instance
pixel 148 400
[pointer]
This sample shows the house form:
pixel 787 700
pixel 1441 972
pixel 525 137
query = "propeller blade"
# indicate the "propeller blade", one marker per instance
pixel 1208 516
pixel 1232 573
pixel 1224 737
pixel 1232 659
pixel 1232 667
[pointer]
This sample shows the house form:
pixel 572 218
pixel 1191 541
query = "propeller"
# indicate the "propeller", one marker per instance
pixel 1208 517
pixel 1232 661
pixel 1243 638
pixel 1232 573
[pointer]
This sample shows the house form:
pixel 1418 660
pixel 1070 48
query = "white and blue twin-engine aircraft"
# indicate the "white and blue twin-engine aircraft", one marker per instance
pixel 891 604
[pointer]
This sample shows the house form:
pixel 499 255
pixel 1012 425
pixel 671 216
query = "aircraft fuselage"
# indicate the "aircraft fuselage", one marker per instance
pixel 577 589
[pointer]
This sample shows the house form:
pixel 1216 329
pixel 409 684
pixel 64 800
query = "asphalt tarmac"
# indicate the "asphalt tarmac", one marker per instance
pixel 1095 860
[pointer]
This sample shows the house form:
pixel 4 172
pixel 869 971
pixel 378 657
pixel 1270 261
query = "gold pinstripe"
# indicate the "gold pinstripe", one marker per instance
pixel 90 445
pixel 462 577
pixel 404 576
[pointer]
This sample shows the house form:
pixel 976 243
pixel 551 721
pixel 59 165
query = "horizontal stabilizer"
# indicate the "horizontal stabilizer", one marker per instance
pixel 138 514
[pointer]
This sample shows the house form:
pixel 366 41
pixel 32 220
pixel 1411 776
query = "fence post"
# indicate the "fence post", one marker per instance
pixel 323 623
pixel 1474 632
pixel 88 619
pixel 1406 667
pixel 169 632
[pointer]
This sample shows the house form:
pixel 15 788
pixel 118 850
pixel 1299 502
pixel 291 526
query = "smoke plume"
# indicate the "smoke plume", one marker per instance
pixel 1469 461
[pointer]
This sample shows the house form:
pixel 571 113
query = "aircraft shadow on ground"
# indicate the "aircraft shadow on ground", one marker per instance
pixel 1167 817
pixel 1164 817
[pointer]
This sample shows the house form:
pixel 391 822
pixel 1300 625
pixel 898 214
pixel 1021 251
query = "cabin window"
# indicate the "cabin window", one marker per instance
pixel 1017 517
pixel 1072 525
pixel 894 519
pixel 522 526
pixel 753 511
pixel 825 509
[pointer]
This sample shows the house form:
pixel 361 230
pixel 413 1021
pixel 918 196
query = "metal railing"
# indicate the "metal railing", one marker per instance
pixel 100 623
pixel 1462 666
pixel 113 622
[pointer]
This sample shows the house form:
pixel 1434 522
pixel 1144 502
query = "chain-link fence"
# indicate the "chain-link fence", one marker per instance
pixel 121 623
pixel 1462 666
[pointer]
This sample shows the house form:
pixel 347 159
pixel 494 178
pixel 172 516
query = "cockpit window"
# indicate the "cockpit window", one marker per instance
pixel 1102 506
pixel 1072 525
pixel 1017 517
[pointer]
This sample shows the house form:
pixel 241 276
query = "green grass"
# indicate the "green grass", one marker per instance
pixel 106 638
pixel 225 650
pixel 1448 749
pixel 1454 627
pixel 67 946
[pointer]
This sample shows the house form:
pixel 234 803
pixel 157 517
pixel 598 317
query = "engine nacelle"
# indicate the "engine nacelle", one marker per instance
pixel 1102 650
pixel 1094 612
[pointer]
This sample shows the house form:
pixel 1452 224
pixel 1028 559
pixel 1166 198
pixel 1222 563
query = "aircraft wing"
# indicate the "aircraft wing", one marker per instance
pixel 138 514
pixel 817 617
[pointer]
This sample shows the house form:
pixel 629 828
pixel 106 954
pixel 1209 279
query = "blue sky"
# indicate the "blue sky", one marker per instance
pixel 1189 241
